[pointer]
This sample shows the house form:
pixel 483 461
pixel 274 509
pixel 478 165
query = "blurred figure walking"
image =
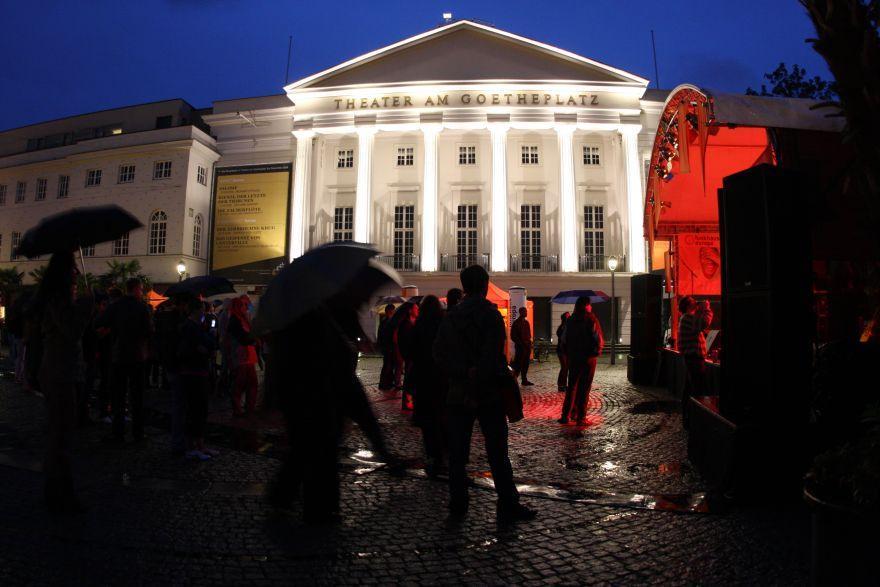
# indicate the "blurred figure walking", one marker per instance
pixel 562 378
pixel 521 335
pixel 385 340
pixel 244 359
pixel 429 385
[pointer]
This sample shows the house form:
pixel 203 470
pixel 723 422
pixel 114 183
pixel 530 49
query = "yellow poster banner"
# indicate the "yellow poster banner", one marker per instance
pixel 251 205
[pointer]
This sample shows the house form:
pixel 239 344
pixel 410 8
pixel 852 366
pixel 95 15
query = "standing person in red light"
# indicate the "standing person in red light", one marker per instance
pixel 243 355
pixel 583 341
pixel 521 335
pixel 692 328
pixel 562 378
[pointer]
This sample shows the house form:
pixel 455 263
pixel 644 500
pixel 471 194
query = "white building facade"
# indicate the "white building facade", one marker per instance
pixel 465 144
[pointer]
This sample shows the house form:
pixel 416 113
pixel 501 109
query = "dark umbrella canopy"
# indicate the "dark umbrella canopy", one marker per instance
pixel 205 285
pixel 570 296
pixel 79 227
pixel 317 276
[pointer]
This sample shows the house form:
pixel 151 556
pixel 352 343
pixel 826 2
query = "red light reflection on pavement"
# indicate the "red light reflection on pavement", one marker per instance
pixel 539 408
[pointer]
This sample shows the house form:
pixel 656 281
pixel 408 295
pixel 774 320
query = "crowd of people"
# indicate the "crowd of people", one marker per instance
pixel 94 353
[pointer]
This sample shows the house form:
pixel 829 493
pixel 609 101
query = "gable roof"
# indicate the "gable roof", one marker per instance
pixel 466 51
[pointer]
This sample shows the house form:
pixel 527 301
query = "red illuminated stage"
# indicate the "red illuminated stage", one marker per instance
pixel 787 222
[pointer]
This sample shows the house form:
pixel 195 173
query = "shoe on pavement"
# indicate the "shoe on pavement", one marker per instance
pixel 210 451
pixel 515 513
pixel 527 383
pixel 562 420
pixel 197 455
pixel 581 421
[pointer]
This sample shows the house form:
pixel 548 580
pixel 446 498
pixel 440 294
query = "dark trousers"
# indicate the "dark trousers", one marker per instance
pixel 104 386
pixel 195 387
pixel 695 384
pixel 580 380
pixel 61 416
pixel 562 378
pixel 128 380
pixel 493 424
pixel 386 377
pixel 245 385
pixel 521 360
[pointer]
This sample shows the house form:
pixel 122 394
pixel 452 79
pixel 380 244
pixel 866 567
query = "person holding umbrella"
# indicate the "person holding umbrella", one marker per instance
pixel 62 319
pixel 320 294
pixel 244 359
pixel 583 342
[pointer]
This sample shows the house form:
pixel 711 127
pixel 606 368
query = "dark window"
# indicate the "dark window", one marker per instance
pixel 164 121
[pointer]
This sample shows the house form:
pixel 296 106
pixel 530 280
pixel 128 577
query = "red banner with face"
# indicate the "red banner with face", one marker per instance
pixel 699 264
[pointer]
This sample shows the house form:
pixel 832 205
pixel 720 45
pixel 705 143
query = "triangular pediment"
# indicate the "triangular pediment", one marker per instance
pixel 465 52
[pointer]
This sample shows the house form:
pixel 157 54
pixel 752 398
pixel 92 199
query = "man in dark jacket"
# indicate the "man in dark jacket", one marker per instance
pixel 583 342
pixel 470 348
pixel 521 335
pixel 385 340
pixel 130 326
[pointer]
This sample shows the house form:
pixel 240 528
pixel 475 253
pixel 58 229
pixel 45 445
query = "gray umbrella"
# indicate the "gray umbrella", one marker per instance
pixel 318 275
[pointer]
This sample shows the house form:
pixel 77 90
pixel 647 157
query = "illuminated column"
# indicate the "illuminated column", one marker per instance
pixel 430 133
pixel 500 214
pixel 299 209
pixel 568 249
pixel 635 256
pixel 362 201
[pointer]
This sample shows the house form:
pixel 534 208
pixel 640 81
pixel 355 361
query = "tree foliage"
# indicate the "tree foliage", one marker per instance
pixel 118 272
pixel 10 281
pixel 795 84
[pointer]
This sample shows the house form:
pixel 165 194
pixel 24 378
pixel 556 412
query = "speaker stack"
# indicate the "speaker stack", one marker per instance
pixel 646 334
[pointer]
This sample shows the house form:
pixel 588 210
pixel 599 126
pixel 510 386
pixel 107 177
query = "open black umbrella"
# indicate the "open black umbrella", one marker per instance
pixel 318 275
pixel 205 285
pixel 79 227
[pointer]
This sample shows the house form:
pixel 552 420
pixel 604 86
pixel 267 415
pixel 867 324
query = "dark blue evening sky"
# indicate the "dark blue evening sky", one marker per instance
pixel 69 57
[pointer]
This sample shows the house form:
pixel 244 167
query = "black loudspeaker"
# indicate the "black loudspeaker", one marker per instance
pixel 646 297
pixel 766 311
pixel 646 330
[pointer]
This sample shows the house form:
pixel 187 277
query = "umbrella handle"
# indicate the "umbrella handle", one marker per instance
pixel 82 262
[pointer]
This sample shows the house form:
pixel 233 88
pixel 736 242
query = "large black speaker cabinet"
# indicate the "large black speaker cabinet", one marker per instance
pixel 646 290
pixel 766 311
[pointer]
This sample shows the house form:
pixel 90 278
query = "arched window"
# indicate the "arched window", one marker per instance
pixel 197 236
pixel 158 232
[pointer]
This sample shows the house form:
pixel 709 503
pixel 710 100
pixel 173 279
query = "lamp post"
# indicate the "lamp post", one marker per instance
pixel 181 270
pixel 612 265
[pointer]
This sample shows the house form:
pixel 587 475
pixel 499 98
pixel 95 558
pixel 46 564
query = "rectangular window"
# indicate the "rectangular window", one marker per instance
pixel 41 189
pixel 20 190
pixel 16 240
pixel 344 158
pixel 530 236
pixel 343 224
pixel 164 121
pixel 405 156
pixel 591 155
pixel 202 175
pixel 404 236
pixel 162 170
pixel 63 186
pixel 93 177
pixel 2 195
pixel 126 174
pixel 88 251
pixel 529 155
pixel 467 155
pixel 158 233
pixel 466 235
pixel 594 238
pixel 120 246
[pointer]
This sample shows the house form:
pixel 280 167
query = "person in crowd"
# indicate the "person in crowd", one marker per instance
pixel 105 355
pixel 403 343
pixel 692 329
pixel 90 344
pixel 430 385
pixel 62 319
pixel 170 316
pixel 469 348
pixel 521 335
pixel 131 326
pixel 583 342
pixel 15 328
pixel 453 296
pixel 385 341
pixel 243 354
pixel 318 393
pixel 195 350
pixel 562 378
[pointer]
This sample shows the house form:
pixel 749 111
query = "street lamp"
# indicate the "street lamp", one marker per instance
pixel 612 266
pixel 181 270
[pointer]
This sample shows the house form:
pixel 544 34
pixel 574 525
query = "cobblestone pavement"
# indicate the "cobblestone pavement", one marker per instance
pixel 156 519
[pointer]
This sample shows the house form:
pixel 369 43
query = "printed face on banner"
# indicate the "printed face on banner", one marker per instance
pixel 699 264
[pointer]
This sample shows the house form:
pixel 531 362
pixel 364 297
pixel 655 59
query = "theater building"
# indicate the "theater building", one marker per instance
pixel 464 144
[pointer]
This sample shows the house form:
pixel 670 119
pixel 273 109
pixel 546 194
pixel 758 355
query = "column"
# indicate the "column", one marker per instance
pixel 363 200
pixel 430 133
pixel 300 207
pixel 500 213
pixel 635 255
pixel 568 241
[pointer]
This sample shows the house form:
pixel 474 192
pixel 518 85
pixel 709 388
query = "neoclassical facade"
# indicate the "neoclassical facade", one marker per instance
pixel 464 144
